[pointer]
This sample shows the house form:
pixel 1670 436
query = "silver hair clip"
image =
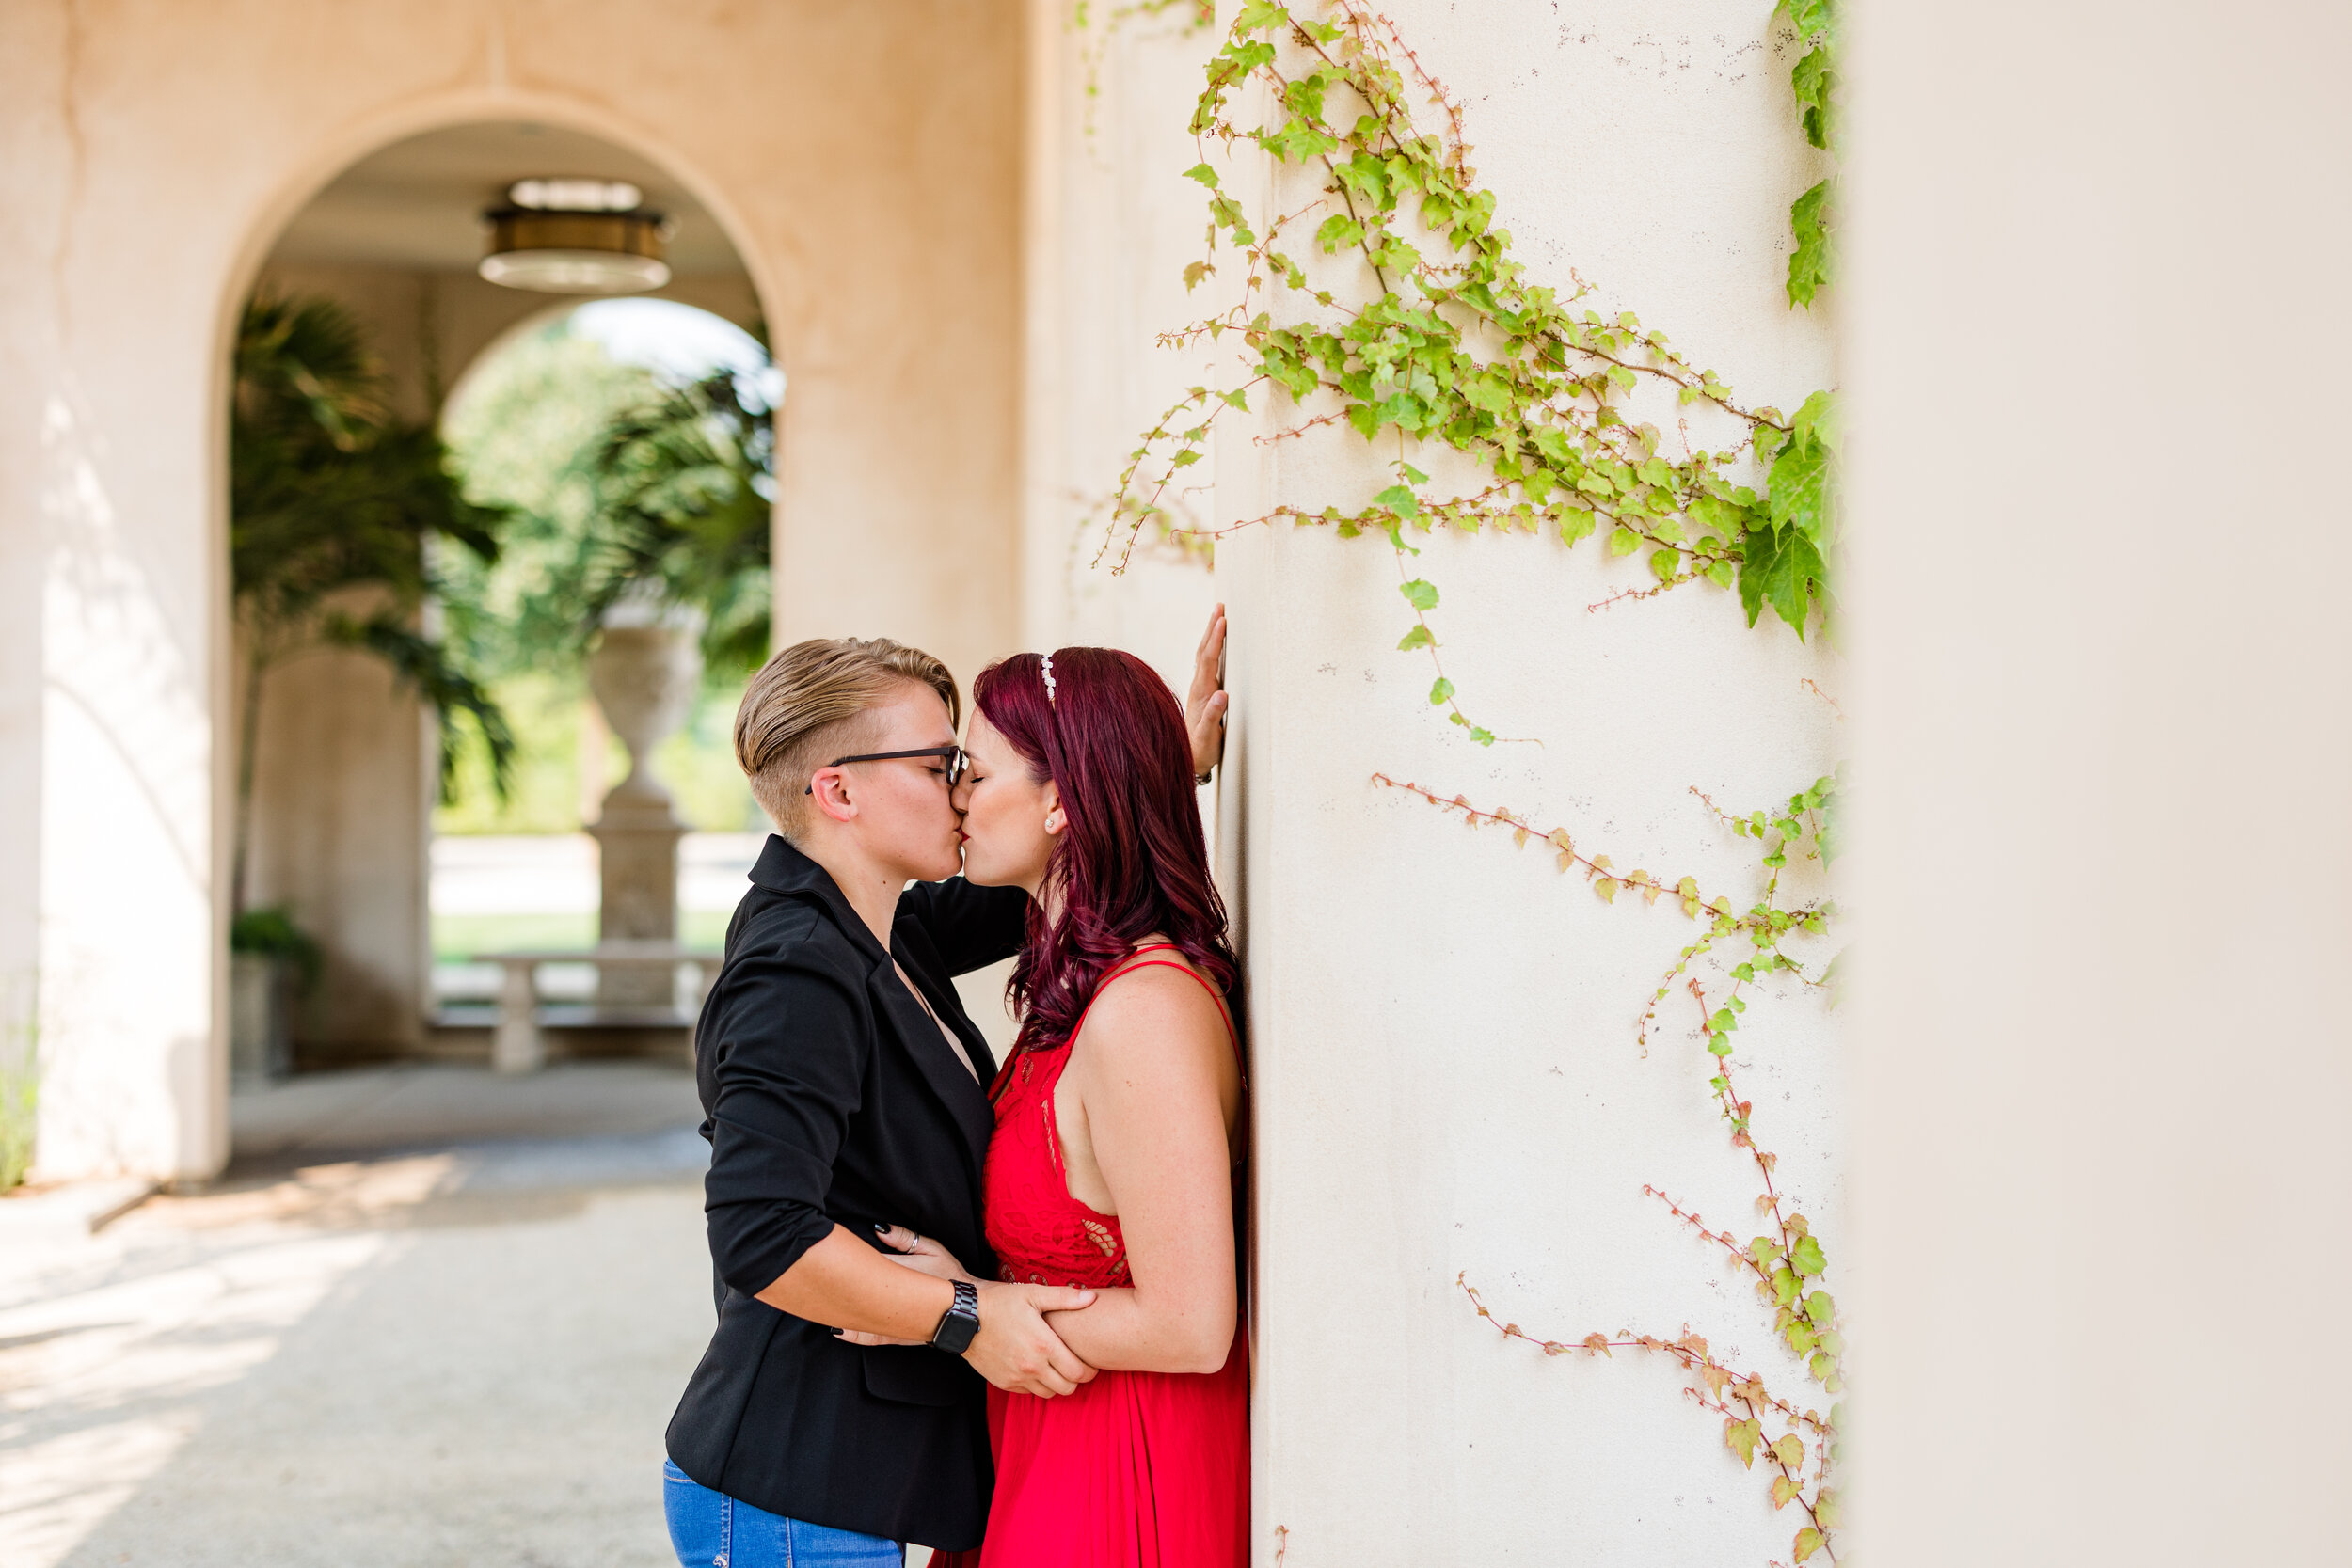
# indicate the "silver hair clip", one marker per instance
pixel 1046 662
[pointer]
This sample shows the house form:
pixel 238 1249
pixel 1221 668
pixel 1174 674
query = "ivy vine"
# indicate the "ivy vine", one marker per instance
pixel 1417 320
pixel 1799 1443
pixel 1815 82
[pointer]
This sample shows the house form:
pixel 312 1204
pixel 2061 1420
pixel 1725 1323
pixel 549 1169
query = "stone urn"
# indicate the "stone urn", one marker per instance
pixel 646 673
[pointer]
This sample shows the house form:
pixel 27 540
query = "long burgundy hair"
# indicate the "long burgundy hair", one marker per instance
pixel 1131 860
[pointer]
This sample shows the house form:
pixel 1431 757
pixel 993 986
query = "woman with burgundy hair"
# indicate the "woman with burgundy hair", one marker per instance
pixel 1115 1163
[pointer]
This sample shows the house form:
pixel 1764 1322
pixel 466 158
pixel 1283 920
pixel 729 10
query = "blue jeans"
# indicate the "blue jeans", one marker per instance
pixel 709 1530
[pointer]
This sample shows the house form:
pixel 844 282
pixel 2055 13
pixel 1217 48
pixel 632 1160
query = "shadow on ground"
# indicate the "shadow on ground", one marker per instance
pixel 428 1317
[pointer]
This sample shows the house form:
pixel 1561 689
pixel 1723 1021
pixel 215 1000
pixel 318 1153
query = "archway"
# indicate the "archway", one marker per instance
pixel 345 758
pixel 582 418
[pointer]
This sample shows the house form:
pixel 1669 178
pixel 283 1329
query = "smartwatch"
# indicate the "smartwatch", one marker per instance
pixel 961 1322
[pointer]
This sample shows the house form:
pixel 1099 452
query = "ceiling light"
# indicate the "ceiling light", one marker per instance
pixel 567 236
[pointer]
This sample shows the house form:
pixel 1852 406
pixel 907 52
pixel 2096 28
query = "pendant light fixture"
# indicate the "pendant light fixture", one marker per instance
pixel 576 237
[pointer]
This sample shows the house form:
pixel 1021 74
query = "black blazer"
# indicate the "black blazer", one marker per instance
pixel 829 1096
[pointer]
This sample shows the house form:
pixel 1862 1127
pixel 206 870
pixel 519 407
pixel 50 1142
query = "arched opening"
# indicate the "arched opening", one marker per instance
pixel 580 421
pixel 343 777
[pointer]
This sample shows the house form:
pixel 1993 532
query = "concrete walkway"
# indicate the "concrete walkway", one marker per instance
pixel 431 1317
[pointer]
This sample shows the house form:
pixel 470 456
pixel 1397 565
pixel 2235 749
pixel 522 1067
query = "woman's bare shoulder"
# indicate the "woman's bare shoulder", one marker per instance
pixel 1148 1005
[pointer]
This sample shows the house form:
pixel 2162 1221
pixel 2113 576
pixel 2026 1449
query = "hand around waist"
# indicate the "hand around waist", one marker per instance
pixel 1015 1349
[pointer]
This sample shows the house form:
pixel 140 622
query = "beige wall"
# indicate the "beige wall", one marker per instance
pixel 154 154
pixel 1444 1068
pixel 1447 1078
pixel 1107 236
pixel 2103 1180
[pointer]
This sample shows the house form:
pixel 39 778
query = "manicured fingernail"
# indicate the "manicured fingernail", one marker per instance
pixel 880 1229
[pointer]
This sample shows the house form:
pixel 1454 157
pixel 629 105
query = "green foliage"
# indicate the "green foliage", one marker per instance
pixel 1422 326
pixel 685 486
pixel 1815 83
pixel 524 434
pixel 1810 218
pixel 333 504
pixel 20 1078
pixel 271 932
pixel 618 480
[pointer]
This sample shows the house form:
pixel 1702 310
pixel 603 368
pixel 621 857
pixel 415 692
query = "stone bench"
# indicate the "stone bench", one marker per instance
pixel 519 1044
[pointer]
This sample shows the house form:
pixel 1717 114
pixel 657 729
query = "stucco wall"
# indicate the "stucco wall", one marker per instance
pixel 1445 1074
pixel 1108 232
pixel 1447 1077
pixel 160 150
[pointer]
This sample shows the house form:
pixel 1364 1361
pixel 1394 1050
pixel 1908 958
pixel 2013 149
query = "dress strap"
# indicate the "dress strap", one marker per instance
pixel 1128 966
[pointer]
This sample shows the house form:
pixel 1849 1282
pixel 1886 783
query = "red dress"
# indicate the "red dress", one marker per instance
pixel 1135 1469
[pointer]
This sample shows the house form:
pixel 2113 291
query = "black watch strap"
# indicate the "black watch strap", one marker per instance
pixel 961 1322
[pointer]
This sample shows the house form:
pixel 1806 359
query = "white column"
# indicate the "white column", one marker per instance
pixel 2098 326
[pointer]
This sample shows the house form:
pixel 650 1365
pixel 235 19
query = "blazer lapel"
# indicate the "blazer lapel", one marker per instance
pixel 783 869
pixel 965 1098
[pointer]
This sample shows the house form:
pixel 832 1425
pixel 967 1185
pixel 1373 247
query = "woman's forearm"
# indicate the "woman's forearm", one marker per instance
pixel 843 1283
pixel 1125 1331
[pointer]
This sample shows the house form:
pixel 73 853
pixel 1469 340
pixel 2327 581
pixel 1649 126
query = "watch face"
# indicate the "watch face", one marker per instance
pixel 962 1322
pixel 956 1331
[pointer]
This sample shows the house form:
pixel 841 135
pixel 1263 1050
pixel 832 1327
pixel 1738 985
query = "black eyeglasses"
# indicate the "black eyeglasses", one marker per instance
pixel 957 762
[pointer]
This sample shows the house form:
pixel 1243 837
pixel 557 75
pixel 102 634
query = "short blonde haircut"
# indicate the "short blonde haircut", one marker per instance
pixel 804 708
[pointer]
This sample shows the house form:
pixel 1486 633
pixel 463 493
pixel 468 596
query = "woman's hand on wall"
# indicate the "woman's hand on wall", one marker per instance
pixel 1205 705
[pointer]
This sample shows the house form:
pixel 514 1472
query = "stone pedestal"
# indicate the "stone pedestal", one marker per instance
pixel 644 674
pixel 638 845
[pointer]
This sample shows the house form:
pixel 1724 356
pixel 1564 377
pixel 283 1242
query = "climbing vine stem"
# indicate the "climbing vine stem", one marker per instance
pixel 1786 1261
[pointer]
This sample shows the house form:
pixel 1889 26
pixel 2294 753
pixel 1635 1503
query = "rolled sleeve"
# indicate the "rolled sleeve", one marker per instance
pixel 788 1075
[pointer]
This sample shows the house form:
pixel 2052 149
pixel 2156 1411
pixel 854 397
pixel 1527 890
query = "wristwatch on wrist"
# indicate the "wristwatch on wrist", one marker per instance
pixel 960 1322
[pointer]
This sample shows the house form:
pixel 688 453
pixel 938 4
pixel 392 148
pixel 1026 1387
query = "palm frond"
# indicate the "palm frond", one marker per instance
pixel 425 667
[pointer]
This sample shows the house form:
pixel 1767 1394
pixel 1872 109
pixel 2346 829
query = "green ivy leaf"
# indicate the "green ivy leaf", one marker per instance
pixel 1782 569
pixel 1798 484
pixel 1258 15
pixel 1417 637
pixel 1203 173
pixel 1339 232
pixel 1665 564
pixel 1810 218
pixel 1420 594
pixel 1807 1257
pixel 1623 541
pixel 1815 82
pixel 1441 692
pixel 1741 1438
pixel 1817 419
